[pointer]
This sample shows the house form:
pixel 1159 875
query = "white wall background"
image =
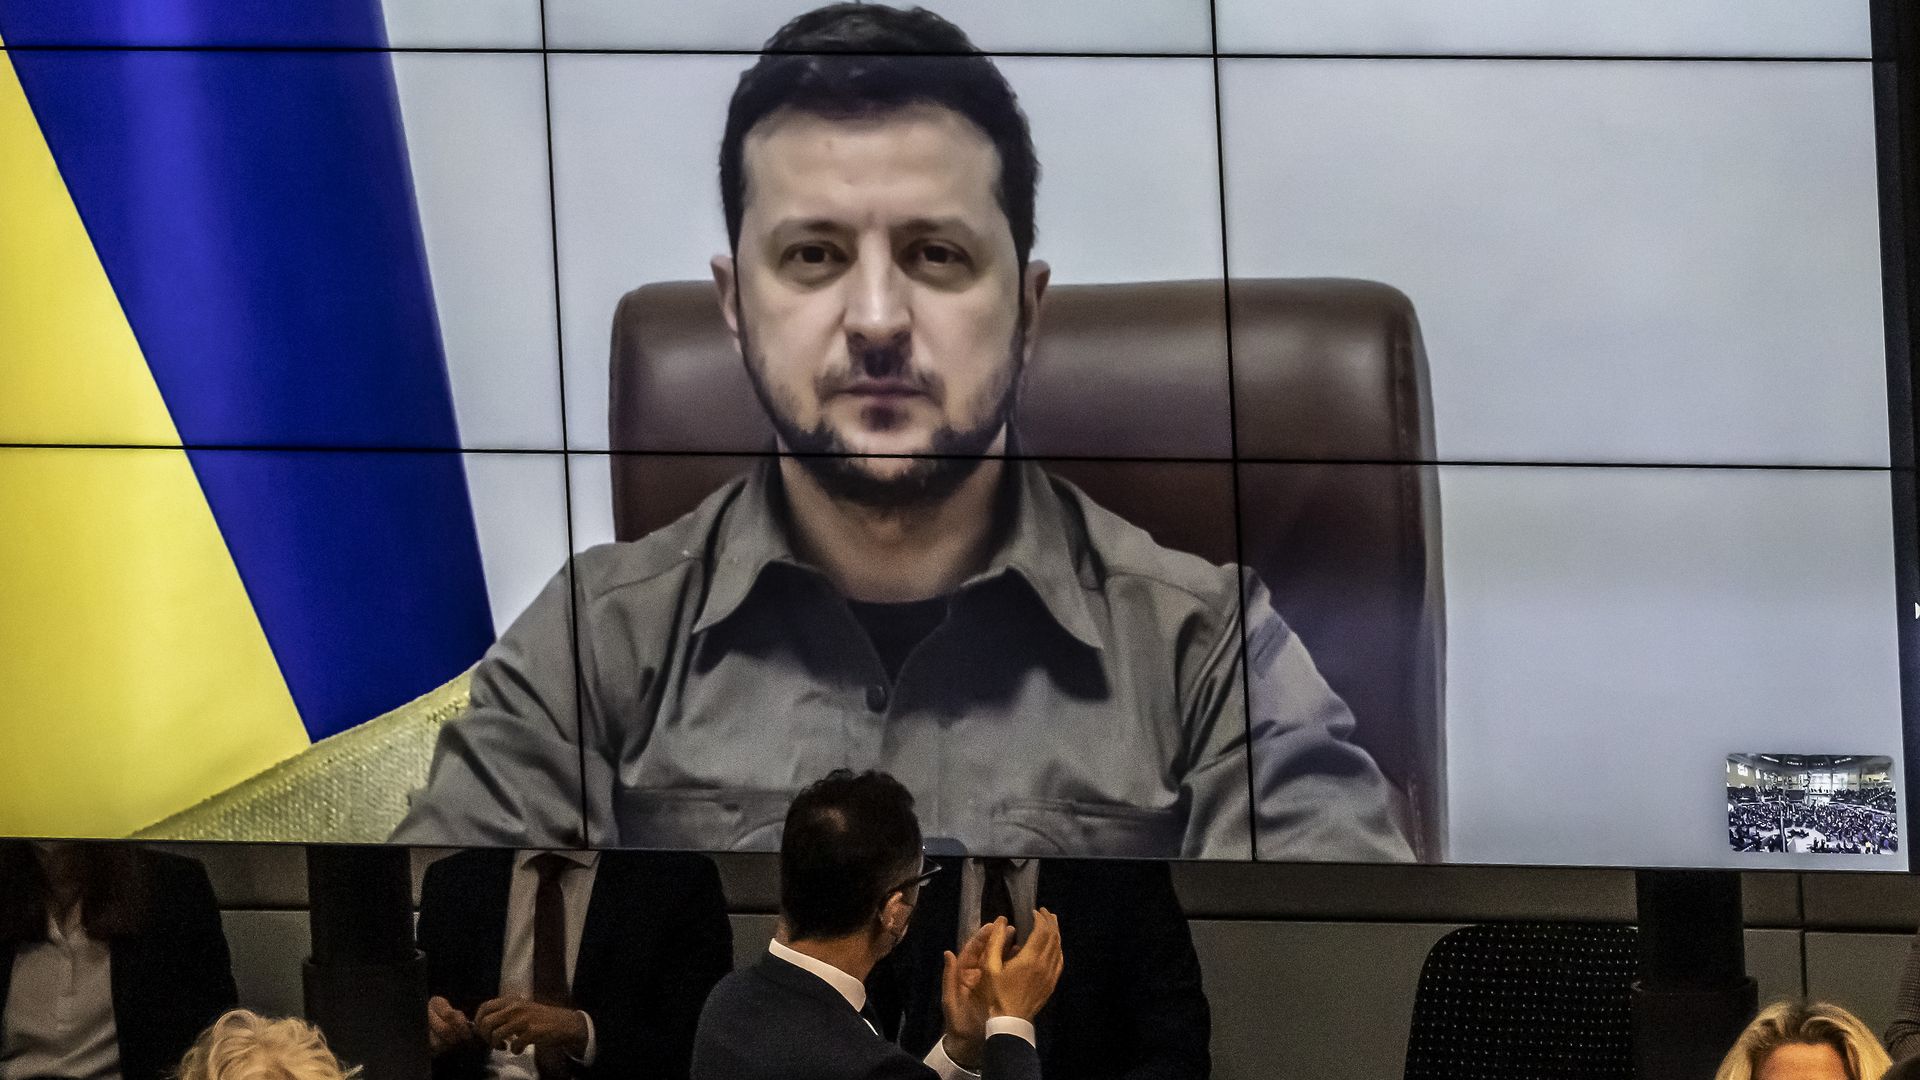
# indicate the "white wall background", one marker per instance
pixel 1613 634
pixel 1563 27
pixel 1156 26
pixel 476 140
pixel 520 517
pixel 1621 262
pixel 462 24
pixel 1615 262
pixel 476 130
pixel 1579 27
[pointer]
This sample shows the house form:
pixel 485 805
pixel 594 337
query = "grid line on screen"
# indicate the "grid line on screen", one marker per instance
pixel 1233 426
pixel 1135 459
pixel 1042 54
pixel 566 462
pixel 1217 55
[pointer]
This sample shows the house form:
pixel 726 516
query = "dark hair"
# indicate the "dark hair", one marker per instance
pixel 857 60
pixel 112 888
pixel 849 840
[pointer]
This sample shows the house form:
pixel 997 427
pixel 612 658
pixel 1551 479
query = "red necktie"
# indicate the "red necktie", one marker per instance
pixel 550 955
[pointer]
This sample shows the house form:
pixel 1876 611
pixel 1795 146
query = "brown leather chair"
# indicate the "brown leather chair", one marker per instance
pixel 1130 385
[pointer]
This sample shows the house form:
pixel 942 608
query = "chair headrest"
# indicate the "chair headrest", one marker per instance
pixel 1145 394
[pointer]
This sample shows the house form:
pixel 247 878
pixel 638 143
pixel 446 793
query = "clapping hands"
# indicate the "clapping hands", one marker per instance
pixel 989 978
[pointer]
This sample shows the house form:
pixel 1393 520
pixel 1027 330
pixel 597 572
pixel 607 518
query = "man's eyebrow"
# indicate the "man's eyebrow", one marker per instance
pixel 810 225
pixel 922 226
pixel 915 226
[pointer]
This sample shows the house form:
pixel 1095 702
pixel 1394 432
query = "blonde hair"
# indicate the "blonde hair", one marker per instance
pixel 243 1045
pixel 1786 1023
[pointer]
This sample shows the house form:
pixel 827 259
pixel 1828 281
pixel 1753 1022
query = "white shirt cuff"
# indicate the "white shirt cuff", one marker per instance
pixel 1012 1025
pixel 586 1056
pixel 948 1069
pixel 942 1065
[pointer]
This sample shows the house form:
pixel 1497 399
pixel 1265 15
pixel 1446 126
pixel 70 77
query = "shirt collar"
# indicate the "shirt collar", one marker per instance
pixel 67 928
pixel 849 987
pixel 582 859
pixel 752 535
pixel 1044 544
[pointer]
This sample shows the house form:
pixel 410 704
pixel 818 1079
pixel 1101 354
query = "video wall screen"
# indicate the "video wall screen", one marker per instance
pixel 1259 430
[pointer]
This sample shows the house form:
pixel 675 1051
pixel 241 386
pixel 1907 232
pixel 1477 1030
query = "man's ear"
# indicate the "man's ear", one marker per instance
pixel 728 288
pixel 1033 288
pixel 894 915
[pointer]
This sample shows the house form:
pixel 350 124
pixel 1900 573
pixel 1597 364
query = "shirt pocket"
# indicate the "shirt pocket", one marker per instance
pixel 702 819
pixel 1076 828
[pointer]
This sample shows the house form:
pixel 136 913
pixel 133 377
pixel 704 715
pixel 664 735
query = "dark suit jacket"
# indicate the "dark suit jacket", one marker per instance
pixel 171 979
pixel 655 941
pixel 775 1021
pixel 1129 1003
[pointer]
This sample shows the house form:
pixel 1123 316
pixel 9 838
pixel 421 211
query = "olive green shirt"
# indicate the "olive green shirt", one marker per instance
pixel 1085 696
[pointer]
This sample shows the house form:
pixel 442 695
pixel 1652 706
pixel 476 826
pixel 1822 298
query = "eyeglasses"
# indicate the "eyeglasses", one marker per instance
pixel 928 868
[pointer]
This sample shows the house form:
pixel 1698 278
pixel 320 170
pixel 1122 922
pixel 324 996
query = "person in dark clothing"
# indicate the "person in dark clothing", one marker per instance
pixel 897 587
pixel 851 871
pixel 570 963
pixel 114 960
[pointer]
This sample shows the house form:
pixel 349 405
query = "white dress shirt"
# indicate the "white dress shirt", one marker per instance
pixel 1023 882
pixel 855 992
pixel 59 1016
pixel 516 954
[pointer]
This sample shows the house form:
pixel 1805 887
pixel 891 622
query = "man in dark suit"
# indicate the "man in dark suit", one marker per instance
pixel 1129 1004
pixel 112 960
pixel 570 963
pixel 851 870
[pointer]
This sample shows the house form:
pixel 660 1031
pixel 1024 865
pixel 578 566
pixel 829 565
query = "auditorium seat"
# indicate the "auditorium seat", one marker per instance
pixel 1526 1001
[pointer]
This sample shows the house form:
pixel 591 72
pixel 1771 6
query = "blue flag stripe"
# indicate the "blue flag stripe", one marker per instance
pixel 254 214
pixel 363 568
pixel 183 23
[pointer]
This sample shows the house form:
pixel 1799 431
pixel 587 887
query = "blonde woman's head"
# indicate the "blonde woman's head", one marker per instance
pixel 1815 1041
pixel 242 1045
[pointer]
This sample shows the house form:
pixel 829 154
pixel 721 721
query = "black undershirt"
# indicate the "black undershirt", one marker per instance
pixel 896 628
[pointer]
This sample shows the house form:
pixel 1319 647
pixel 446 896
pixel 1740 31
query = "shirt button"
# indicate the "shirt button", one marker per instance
pixel 877 698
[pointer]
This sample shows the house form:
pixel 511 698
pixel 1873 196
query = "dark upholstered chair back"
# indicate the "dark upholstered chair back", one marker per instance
pixel 1526 1001
pixel 1131 384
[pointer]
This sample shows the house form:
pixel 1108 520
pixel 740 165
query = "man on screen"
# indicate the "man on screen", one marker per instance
pixel 892 591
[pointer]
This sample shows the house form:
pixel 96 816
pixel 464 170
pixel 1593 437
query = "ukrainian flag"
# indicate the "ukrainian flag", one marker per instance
pixel 233 517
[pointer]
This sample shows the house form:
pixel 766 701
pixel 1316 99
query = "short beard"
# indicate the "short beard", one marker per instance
pixel 930 479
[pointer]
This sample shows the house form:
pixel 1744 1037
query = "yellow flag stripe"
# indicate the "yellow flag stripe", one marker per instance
pixel 55 302
pixel 135 679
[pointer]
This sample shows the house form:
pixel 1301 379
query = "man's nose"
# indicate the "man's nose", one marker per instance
pixel 878 312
